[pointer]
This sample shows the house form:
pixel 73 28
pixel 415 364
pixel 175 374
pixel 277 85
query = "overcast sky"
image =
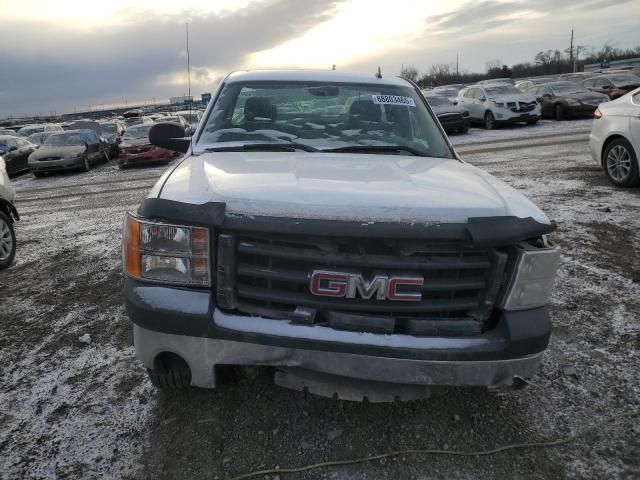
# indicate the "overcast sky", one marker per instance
pixel 57 55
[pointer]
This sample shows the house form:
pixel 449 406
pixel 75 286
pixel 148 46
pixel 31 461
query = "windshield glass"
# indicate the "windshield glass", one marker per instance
pixel 502 90
pixel 140 131
pixel 108 127
pixel 566 88
pixel 191 118
pixel 30 130
pixel 64 139
pixel 439 101
pixel 133 120
pixel 447 92
pixel 323 116
pixel 38 138
pixel 168 119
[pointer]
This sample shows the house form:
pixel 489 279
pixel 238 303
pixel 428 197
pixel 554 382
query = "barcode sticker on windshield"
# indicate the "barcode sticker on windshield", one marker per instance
pixel 393 100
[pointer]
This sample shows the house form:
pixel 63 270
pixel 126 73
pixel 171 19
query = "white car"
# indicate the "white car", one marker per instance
pixel 615 139
pixel 494 104
pixel 321 223
pixel 8 214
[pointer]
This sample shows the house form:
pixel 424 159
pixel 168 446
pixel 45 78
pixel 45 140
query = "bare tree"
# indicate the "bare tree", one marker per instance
pixel 410 72
pixel 494 64
pixel 440 70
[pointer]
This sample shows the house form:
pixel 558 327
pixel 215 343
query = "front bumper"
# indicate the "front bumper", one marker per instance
pixel 452 125
pixel 203 354
pixel 54 165
pixel 511 117
pixel 187 322
pixel 151 156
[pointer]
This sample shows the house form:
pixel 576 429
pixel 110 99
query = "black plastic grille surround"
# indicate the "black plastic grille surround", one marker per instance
pixel 269 274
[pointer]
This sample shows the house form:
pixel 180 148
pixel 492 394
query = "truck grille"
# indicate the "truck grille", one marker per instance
pixel 269 275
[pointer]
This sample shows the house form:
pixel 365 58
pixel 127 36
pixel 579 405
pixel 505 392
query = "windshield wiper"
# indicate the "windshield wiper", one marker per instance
pixel 377 148
pixel 287 147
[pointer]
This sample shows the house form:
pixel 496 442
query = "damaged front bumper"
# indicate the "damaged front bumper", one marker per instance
pixel 203 354
pixel 188 323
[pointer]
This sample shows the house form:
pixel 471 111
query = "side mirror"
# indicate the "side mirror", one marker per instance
pixel 170 136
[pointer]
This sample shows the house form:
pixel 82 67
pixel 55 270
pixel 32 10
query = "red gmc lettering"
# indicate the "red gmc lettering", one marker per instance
pixel 328 284
pixel 351 285
pixel 394 283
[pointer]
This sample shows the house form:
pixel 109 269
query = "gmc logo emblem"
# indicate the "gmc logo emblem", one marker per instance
pixel 350 285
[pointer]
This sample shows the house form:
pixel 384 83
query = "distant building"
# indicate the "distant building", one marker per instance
pixel 181 100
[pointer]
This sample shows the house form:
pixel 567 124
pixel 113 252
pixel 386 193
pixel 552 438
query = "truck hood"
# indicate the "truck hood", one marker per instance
pixel 360 187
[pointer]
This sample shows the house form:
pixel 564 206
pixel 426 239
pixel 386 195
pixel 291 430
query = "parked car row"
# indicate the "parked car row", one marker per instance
pixel 43 148
pixel 502 100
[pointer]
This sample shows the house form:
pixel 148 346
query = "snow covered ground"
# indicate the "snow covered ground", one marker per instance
pixel 542 130
pixel 76 410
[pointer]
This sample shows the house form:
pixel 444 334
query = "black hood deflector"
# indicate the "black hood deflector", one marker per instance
pixel 480 231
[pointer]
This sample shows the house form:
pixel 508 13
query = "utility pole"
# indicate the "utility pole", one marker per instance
pixel 457 69
pixel 571 65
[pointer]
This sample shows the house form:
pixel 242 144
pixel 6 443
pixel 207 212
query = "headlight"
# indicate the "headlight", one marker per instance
pixel 533 277
pixel 160 252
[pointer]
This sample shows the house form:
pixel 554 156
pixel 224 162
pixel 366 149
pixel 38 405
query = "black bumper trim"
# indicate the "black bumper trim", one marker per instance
pixel 189 312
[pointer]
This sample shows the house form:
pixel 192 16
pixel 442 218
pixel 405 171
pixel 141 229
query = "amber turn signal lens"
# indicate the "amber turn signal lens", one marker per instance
pixel 131 247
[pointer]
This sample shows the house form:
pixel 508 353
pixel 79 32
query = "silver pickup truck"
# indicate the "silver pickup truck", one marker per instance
pixel 322 224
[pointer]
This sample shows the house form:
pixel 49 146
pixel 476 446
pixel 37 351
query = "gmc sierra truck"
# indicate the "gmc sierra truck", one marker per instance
pixel 322 224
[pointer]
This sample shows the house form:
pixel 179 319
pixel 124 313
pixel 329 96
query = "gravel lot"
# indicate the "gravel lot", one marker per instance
pixel 72 410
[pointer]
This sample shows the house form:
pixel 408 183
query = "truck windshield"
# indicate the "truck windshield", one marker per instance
pixel 324 117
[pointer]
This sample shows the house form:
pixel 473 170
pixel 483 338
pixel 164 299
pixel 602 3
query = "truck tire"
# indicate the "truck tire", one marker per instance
pixel 621 163
pixel 170 373
pixel 7 241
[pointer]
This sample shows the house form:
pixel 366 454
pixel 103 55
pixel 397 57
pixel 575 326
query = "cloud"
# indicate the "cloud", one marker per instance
pixel 47 67
pixel 473 17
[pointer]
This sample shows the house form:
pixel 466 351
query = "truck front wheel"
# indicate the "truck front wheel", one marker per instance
pixel 170 372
